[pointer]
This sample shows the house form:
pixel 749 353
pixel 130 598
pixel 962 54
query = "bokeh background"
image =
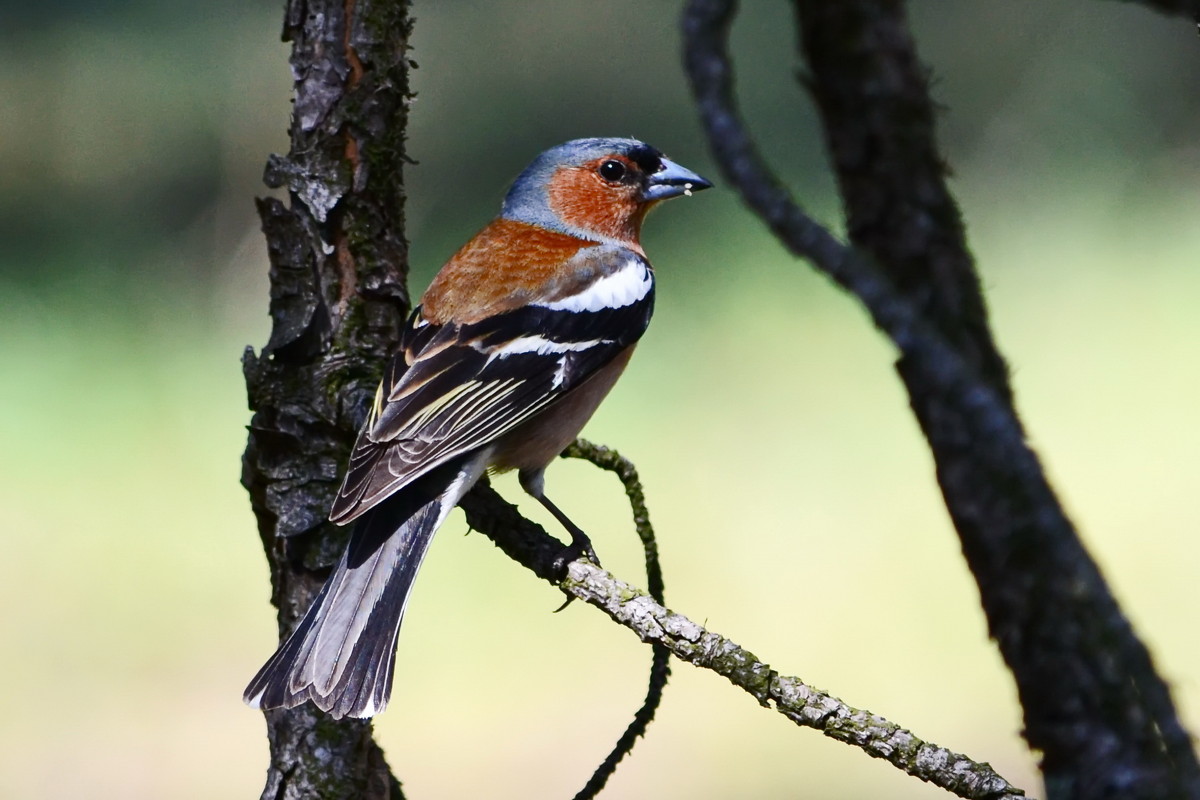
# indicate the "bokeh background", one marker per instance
pixel 793 496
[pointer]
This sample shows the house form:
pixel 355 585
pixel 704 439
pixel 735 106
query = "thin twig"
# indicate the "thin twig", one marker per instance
pixel 608 459
pixel 660 667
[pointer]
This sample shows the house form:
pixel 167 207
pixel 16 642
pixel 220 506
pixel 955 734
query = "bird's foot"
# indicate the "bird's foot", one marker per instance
pixel 580 547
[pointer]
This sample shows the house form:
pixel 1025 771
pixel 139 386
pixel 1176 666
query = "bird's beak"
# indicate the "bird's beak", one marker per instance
pixel 672 180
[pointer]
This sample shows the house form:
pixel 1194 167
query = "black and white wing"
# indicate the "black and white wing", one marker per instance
pixel 454 388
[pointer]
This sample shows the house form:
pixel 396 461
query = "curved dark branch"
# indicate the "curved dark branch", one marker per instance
pixel 706 28
pixel 1093 703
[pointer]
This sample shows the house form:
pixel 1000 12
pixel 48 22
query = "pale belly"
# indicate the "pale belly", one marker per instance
pixel 534 444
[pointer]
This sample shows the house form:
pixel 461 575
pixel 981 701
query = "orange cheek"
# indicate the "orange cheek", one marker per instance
pixel 581 198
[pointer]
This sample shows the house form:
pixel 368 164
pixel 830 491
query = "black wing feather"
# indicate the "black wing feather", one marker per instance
pixel 454 388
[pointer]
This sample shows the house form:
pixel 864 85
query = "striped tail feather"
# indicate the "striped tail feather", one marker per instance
pixel 342 653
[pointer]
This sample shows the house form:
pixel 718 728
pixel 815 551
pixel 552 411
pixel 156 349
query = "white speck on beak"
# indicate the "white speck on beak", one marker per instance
pixel 687 190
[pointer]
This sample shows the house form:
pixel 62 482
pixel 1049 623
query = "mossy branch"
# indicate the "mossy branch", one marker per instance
pixel 671 633
pixel 802 704
pixel 660 662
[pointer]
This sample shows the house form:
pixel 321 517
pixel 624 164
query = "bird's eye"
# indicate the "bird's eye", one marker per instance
pixel 612 171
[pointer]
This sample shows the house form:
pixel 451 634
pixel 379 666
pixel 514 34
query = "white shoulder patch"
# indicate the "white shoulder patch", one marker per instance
pixel 628 285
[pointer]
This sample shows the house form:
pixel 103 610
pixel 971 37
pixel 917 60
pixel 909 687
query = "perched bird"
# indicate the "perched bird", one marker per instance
pixel 513 346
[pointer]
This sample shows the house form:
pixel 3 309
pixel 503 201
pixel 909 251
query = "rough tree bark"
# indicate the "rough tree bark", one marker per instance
pixel 338 267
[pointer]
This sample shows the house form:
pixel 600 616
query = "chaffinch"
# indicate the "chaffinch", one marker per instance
pixel 513 346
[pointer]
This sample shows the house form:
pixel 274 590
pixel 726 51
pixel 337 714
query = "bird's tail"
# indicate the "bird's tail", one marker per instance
pixel 342 653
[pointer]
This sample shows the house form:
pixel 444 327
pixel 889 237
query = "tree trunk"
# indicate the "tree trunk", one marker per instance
pixel 338 267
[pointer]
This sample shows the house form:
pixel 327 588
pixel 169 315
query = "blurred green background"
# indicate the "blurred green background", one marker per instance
pixel 793 496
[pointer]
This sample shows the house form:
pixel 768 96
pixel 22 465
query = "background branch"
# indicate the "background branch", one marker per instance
pixel 1093 703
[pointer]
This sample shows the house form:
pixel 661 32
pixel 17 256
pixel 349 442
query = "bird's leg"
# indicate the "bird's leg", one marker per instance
pixel 581 545
pixel 532 481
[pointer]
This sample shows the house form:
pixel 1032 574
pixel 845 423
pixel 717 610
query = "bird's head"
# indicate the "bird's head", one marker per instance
pixel 597 189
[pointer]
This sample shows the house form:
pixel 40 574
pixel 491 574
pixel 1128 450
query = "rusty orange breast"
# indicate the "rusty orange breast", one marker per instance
pixel 504 266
